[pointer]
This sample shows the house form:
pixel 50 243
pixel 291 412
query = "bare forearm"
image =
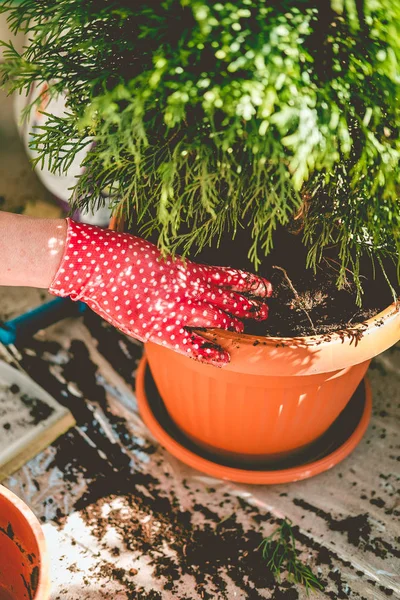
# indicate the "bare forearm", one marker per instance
pixel 30 250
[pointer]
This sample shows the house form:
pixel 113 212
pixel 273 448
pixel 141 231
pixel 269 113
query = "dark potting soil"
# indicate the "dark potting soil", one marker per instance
pixel 305 302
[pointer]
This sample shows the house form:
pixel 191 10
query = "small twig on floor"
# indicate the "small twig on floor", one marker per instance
pixel 226 518
pixel 297 296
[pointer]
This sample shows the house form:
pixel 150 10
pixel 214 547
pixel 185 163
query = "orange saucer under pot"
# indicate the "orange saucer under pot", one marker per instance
pixel 24 569
pixel 276 396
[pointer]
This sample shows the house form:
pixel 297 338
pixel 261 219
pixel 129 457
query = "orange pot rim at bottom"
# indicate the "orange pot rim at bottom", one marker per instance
pixel 238 475
pixel 43 589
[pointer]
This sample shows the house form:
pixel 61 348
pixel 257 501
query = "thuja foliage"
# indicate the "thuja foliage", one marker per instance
pixel 281 556
pixel 206 116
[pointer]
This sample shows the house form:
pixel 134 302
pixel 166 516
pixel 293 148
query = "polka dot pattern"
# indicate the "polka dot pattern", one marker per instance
pixel 126 281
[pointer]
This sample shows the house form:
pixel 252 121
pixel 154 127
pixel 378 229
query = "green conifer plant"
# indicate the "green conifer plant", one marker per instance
pixel 204 116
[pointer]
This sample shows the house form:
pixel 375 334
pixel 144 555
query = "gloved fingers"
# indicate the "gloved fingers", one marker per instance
pixel 238 281
pixel 195 346
pixel 190 343
pixel 179 332
pixel 237 304
pixel 208 315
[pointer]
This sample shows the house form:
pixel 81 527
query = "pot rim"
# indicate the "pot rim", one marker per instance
pixel 43 589
pixel 308 355
pixel 322 339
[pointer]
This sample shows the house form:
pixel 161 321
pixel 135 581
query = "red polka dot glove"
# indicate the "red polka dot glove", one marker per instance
pixel 127 282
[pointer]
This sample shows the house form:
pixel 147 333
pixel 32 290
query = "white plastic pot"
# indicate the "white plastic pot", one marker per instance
pixel 59 184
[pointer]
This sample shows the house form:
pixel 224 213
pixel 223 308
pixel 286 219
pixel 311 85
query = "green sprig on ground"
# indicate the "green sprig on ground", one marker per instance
pixel 281 556
pixel 203 117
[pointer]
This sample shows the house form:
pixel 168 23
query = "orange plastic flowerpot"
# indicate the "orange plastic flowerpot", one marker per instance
pixel 277 395
pixel 24 571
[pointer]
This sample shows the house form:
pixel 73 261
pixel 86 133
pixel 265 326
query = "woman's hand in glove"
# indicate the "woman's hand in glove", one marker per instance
pixel 127 282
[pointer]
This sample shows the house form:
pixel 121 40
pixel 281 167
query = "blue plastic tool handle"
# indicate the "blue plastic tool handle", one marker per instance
pixel 26 325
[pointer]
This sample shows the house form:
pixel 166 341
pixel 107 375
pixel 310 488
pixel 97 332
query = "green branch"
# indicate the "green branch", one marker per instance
pixel 281 556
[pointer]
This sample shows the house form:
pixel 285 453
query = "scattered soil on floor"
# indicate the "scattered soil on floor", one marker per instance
pixel 38 410
pixel 179 534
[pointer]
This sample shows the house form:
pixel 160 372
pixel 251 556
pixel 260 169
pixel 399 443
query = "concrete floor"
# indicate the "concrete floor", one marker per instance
pixel 116 508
